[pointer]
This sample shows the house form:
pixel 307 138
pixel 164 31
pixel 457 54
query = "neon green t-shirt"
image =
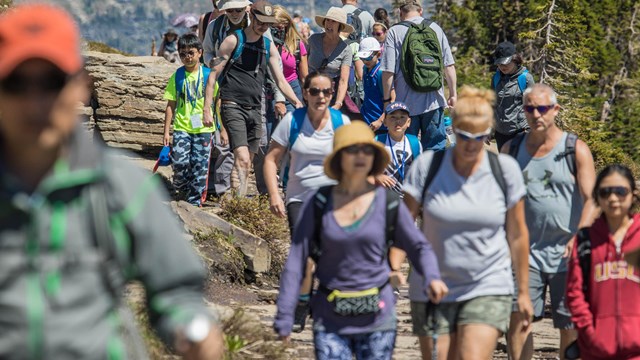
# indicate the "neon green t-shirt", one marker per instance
pixel 193 89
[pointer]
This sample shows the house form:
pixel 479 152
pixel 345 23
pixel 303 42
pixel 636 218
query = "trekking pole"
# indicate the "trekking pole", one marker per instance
pixel 433 326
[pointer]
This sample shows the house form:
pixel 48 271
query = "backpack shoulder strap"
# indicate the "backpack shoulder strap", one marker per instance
pixel 436 161
pixel 405 23
pixel 381 138
pixel 391 218
pixel 495 81
pixel 206 71
pixel 297 53
pixel 498 174
pixel 414 144
pixel 267 47
pixel 320 200
pixel 237 52
pixel 570 152
pixel 357 12
pixel 336 119
pixel 514 147
pixel 217 28
pixel 522 80
pixel 181 75
pixel 296 125
pixel 583 242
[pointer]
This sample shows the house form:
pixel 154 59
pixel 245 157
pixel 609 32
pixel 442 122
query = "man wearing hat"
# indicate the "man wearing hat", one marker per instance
pixel 78 221
pixel 427 108
pixel 241 88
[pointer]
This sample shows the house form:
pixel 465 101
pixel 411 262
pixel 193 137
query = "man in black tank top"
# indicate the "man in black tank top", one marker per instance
pixel 242 78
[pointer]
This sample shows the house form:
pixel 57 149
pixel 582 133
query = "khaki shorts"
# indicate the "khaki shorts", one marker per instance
pixel 489 310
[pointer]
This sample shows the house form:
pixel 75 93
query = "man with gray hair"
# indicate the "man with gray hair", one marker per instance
pixel 559 175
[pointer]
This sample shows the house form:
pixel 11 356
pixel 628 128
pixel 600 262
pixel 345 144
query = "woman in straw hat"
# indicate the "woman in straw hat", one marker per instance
pixel 330 54
pixel 343 228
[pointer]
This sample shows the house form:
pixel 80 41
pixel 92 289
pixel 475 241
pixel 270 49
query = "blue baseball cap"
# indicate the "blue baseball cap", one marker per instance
pixel 395 106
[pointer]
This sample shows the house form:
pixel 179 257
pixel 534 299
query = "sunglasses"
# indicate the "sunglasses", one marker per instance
pixel 542 109
pixel 19 84
pixel 377 33
pixel 190 53
pixel 260 23
pixel 236 11
pixel 354 149
pixel 315 91
pixel 620 191
pixel 467 136
pixel 369 58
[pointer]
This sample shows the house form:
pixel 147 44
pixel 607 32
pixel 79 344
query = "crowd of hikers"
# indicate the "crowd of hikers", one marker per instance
pixel 345 132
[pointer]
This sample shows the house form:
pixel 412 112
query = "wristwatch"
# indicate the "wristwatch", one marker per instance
pixel 197 329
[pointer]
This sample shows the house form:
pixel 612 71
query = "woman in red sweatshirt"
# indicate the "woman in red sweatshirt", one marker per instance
pixel 607 314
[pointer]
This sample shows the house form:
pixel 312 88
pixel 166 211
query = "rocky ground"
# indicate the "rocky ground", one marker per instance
pixel 259 301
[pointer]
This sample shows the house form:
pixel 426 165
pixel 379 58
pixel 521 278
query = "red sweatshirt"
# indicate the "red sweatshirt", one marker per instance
pixel 609 323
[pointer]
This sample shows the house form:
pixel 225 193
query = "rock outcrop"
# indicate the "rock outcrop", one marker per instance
pixel 128 109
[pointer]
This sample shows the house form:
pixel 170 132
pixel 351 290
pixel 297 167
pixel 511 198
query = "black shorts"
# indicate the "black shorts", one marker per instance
pixel 243 125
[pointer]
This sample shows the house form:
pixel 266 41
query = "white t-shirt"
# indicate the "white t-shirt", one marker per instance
pixel 401 160
pixel 464 219
pixel 306 169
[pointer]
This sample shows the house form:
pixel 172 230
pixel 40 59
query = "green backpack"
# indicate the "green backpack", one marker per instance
pixel 421 60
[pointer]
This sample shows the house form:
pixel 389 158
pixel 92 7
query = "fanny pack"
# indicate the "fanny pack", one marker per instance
pixel 355 303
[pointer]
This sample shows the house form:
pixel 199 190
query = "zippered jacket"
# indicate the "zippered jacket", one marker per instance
pixel 509 111
pixel 55 301
pixel 608 319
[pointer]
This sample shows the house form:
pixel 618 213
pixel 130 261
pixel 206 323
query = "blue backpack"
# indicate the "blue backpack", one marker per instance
pixel 181 75
pixel 414 143
pixel 296 126
pixel 522 80
pixel 237 52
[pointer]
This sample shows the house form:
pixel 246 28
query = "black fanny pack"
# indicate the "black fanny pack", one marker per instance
pixel 354 303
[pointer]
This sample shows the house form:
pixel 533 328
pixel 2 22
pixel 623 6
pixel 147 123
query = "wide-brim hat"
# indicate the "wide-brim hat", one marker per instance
pixel 338 15
pixel 355 133
pixel 233 4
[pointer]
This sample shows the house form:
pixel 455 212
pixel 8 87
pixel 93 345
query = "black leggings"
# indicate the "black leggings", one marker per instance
pixel 293 213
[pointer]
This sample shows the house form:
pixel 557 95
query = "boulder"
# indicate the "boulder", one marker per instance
pixel 127 102
pixel 256 251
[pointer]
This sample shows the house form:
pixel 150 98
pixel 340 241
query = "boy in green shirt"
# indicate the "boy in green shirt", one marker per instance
pixel 192 134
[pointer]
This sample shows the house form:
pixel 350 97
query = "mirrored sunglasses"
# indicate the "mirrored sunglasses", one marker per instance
pixel 467 136
pixel 542 109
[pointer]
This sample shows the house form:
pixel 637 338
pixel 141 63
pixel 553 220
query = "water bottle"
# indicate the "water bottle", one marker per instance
pixel 451 137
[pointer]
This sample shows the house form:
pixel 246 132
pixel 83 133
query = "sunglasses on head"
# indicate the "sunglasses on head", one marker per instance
pixel 542 109
pixel 20 84
pixel 316 91
pixel 377 33
pixel 190 53
pixel 354 149
pixel 467 136
pixel 236 11
pixel 620 191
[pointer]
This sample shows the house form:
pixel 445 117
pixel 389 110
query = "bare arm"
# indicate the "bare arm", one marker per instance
pixel 281 82
pixel 200 27
pixel 217 64
pixel 359 67
pixel 343 84
pixel 303 68
pixel 518 239
pixel 387 84
pixel 168 118
pixel 451 78
pixel 271 161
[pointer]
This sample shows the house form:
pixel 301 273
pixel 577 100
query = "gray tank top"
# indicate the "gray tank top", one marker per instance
pixel 553 206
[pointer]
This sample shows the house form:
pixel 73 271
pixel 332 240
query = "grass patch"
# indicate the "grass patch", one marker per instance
pixel 253 215
pixel 104 48
pixel 222 258
pixel 246 338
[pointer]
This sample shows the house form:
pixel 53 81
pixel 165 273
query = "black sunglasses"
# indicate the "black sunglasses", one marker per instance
pixel 605 192
pixel 20 84
pixel 354 149
pixel 542 109
pixel 316 91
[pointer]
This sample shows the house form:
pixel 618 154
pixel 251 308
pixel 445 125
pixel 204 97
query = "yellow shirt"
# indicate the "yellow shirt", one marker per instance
pixel 194 89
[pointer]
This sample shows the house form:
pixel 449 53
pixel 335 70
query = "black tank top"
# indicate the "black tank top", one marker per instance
pixel 244 81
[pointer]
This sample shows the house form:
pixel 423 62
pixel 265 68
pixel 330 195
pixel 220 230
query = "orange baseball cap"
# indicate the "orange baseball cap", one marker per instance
pixel 39 31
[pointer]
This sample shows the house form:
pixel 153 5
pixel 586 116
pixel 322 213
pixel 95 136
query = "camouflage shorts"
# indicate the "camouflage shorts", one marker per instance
pixel 489 310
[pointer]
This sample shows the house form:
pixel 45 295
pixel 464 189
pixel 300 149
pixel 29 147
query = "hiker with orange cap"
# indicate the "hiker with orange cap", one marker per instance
pixel 78 221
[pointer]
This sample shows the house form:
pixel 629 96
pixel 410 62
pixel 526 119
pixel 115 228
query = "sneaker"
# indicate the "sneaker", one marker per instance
pixel 300 317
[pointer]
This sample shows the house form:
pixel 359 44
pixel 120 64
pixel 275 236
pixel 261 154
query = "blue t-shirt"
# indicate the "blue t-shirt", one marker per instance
pixel 373 106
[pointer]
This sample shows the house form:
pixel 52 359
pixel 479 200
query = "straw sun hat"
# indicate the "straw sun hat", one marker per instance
pixel 356 133
pixel 338 15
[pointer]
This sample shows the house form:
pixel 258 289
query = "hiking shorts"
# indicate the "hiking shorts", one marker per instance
pixel 243 125
pixel 538 283
pixel 490 310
